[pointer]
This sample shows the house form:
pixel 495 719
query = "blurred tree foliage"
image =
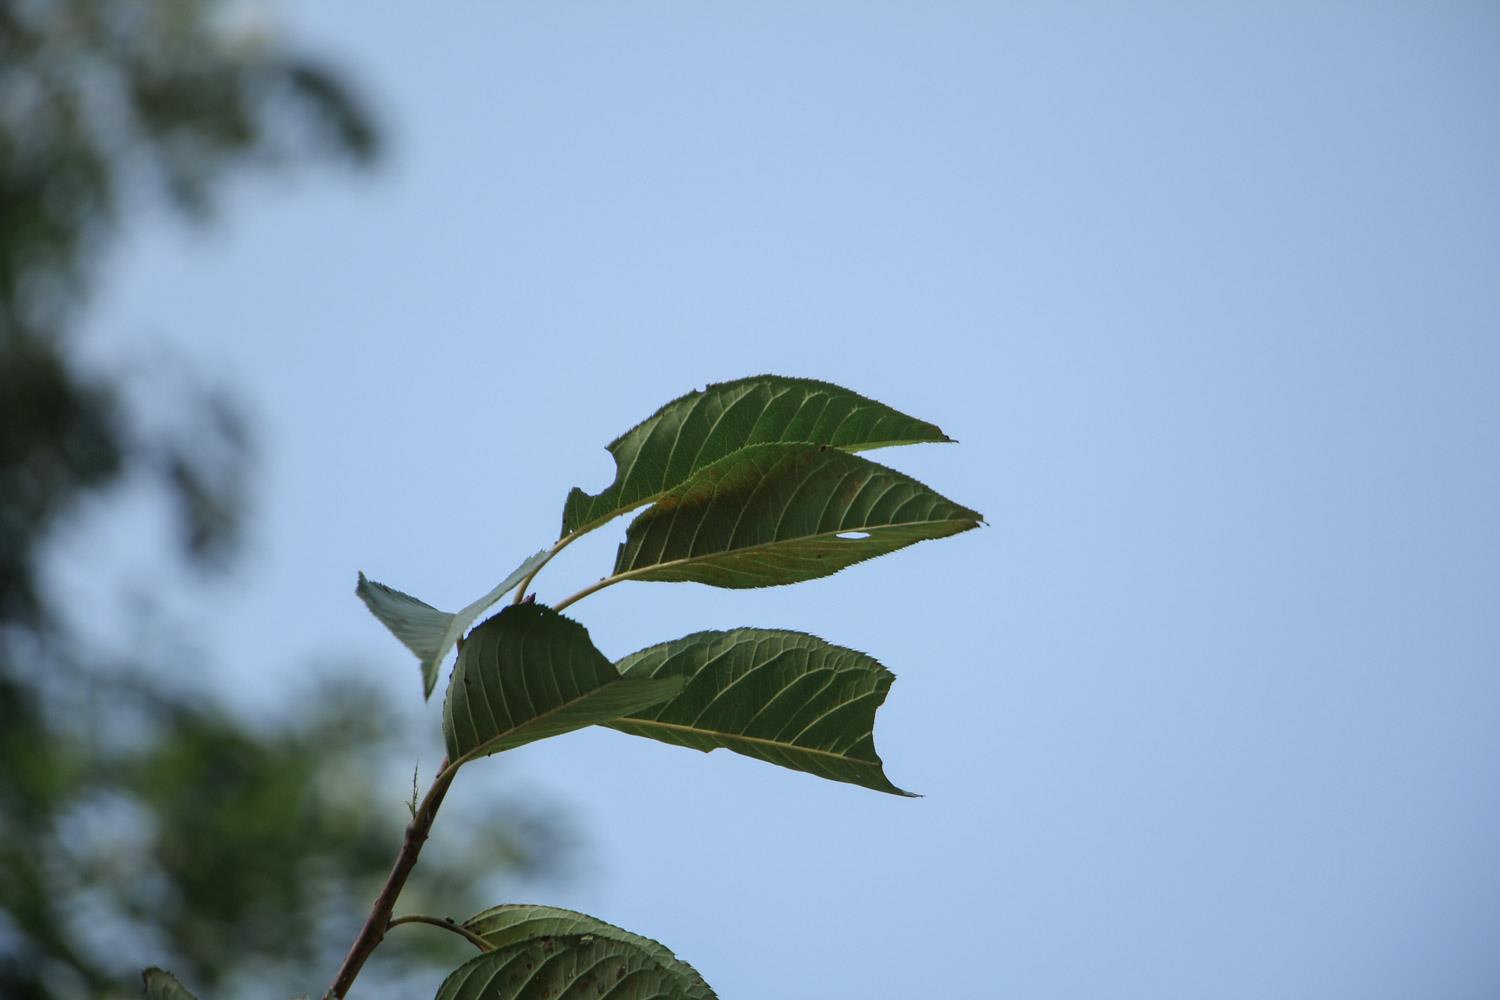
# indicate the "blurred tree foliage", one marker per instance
pixel 137 825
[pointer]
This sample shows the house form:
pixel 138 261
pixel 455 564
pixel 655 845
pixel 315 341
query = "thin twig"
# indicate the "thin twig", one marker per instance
pixel 380 914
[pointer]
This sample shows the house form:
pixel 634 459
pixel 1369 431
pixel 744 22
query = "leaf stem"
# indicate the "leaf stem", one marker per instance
pixel 557 547
pixel 379 920
pixel 574 535
pixel 446 923
pixel 594 587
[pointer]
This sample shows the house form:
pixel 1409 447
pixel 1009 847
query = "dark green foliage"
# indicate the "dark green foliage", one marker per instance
pixel 514 923
pixel 698 429
pixel 567 967
pixel 783 513
pixel 529 673
pixel 783 697
pixel 752 483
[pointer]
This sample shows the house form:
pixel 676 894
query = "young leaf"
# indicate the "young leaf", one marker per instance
pixel 503 926
pixel 162 985
pixel 566 967
pixel 425 630
pixel 783 513
pixel 698 429
pixel 783 697
pixel 529 673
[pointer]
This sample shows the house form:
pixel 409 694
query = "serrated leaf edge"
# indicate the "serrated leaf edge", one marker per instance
pixel 621 473
pixel 458 621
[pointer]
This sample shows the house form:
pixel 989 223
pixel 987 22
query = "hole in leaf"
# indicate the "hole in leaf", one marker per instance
pixel 854 535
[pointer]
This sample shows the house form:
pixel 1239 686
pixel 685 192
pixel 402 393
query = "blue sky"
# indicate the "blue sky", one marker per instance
pixel 1211 300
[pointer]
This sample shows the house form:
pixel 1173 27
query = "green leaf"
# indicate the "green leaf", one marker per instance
pixel 783 697
pixel 566 967
pixel 783 513
pixel 529 673
pixel 162 985
pixel 704 426
pixel 425 630
pixel 504 926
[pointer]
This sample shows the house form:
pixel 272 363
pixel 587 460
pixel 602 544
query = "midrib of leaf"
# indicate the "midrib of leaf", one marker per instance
pixel 872 529
pixel 534 722
pixel 728 737
pixel 750 549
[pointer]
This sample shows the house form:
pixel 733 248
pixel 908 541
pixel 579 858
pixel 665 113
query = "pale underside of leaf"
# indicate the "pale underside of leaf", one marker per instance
pixel 162 985
pixel 527 674
pixel 503 926
pixel 783 697
pixel 573 967
pixel 697 429
pixel 425 630
pixel 779 514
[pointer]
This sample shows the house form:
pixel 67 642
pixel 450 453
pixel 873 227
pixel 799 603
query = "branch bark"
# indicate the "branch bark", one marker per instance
pixel 379 920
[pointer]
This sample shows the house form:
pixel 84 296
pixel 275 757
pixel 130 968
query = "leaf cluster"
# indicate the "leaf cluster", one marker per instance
pixel 753 483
